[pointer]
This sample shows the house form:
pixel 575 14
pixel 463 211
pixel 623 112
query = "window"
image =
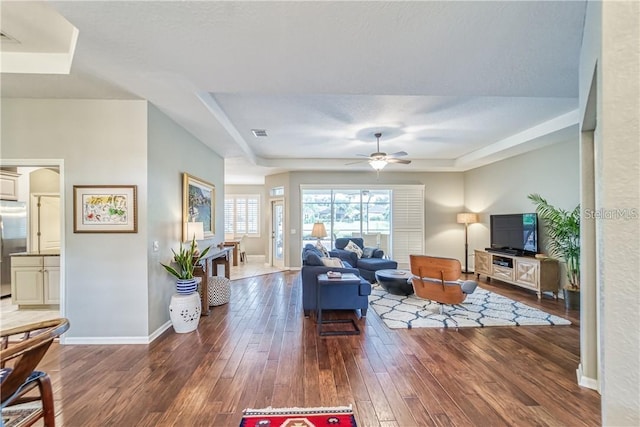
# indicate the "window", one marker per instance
pixel 242 214
pixel 348 213
pixel 390 218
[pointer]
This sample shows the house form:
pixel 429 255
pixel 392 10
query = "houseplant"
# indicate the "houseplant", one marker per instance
pixel 186 259
pixel 563 232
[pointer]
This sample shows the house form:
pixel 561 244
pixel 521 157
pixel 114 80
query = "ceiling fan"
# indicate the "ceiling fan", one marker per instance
pixel 379 160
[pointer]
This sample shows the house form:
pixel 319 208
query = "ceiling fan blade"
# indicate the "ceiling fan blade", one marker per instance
pixel 398 154
pixel 362 155
pixel 402 161
pixel 356 162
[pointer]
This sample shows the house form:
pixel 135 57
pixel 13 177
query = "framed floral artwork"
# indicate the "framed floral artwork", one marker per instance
pixel 105 209
pixel 198 205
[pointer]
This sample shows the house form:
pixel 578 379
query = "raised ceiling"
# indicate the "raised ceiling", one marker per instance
pixel 455 84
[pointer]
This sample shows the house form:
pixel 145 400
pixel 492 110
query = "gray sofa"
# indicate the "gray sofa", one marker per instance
pixel 348 297
pixel 366 265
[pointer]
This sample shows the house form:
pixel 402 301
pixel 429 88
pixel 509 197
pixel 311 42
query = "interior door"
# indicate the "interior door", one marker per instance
pixel 277 233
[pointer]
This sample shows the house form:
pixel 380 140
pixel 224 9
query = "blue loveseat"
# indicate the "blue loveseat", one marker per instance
pixel 348 297
pixel 368 264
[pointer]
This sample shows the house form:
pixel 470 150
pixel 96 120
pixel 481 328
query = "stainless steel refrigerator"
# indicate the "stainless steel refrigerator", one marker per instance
pixel 13 234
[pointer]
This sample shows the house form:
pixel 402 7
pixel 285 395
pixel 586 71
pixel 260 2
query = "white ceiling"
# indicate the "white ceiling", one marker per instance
pixel 455 84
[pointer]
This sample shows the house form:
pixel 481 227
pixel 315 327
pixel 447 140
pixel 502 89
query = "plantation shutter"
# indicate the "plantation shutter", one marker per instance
pixel 408 223
pixel 229 217
pixel 253 209
pixel 242 215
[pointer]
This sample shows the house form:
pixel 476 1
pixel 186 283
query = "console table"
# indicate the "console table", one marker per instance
pixel 209 267
pixel 234 244
pixel 539 275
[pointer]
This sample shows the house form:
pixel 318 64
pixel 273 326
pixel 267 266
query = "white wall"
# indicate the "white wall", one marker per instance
pixel 101 142
pixel 256 245
pixel 443 199
pixel 613 44
pixel 172 151
pixel 503 187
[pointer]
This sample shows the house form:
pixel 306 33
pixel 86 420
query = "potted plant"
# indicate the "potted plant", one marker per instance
pixel 186 259
pixel 563 232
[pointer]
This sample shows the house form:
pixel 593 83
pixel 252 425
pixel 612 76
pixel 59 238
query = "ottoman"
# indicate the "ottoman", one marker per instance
pixel 219 290
pixel 396 282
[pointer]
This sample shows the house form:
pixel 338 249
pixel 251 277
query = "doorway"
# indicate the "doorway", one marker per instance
pixel 38 178
pixel 277 233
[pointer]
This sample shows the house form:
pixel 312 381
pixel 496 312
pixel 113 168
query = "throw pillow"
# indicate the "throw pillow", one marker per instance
pixel 332 262
pixel 352 247
pixel 319 246
pixel 368 252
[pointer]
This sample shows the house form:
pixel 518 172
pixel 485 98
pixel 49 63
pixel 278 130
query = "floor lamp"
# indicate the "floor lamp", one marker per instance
pixel 466 218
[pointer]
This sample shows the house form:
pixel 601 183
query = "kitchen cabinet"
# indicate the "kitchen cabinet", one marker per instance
pixel 9 185
pixel 35 281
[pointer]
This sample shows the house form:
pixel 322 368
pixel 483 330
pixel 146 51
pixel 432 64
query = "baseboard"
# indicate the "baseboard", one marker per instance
pixel 116 340
pixel 160 331
pixel 587 382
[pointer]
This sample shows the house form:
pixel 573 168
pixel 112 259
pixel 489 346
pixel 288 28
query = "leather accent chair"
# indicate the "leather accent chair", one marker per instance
pixel 437 279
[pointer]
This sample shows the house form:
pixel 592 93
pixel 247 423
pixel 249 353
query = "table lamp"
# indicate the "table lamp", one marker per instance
pixel 320 232
pixel 195 230
pixel 466 218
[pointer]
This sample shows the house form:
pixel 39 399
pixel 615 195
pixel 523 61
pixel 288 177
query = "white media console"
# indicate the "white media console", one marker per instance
pixel 539 275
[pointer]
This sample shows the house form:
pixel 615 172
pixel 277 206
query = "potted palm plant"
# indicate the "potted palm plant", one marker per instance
pixel 563 232
pixel 186 259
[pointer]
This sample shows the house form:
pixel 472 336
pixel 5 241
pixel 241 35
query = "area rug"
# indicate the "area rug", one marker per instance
pixel 299 417
pixel 480 309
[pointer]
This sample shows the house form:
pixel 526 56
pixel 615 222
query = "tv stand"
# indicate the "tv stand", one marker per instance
pixel 540 275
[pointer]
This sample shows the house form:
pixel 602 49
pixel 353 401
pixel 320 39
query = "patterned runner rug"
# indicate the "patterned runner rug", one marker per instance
pixel 480 309
pixel 298 417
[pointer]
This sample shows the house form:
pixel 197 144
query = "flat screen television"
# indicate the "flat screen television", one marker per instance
pixel 515 233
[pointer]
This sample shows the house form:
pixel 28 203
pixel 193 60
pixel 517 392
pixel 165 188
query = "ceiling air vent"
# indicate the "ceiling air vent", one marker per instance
pixel 259 132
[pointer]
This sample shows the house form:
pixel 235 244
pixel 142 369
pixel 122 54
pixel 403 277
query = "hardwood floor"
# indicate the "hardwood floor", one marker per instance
pixel 260 351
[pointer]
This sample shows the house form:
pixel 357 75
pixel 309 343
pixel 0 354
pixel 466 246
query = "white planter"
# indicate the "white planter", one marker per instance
pixel 184 311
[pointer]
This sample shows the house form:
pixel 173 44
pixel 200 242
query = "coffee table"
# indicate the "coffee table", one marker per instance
pixel 395 282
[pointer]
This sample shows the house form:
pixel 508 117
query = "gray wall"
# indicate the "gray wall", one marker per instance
pixel 114 288
pixel 100 142
pixel 502 187
pixel 171 152
pixel 443 199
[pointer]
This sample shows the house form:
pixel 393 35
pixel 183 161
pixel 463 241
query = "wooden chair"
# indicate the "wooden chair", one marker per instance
pixel 436 279
pixel 22 348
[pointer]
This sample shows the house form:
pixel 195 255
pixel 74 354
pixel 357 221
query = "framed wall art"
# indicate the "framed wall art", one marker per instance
pixel 198 205
pixel 105 209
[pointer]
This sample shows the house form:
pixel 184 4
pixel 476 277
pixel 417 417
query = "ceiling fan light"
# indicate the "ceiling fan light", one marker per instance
pixel 378 164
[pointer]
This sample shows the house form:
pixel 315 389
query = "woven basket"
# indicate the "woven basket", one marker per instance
pixel 219 290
